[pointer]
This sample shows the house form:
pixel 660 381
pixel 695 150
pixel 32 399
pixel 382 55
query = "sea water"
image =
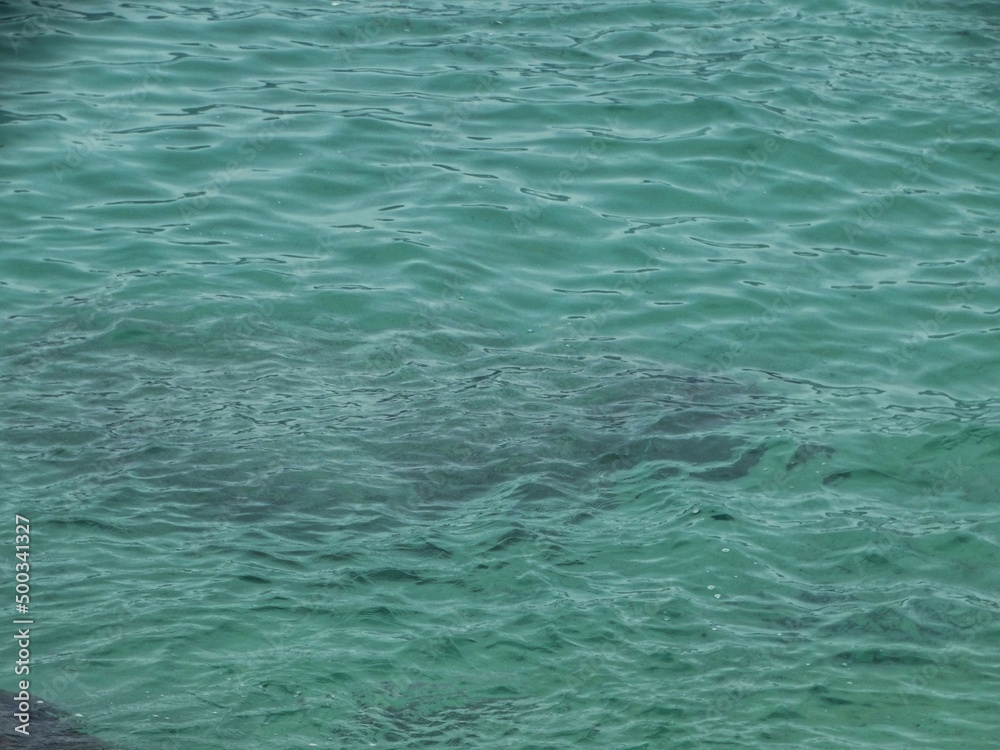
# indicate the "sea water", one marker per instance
pixel 505 374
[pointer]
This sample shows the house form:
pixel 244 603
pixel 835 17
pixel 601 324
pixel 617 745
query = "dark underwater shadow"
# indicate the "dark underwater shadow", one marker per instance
pixel 48 728
pixel 422 442
pixel 546 428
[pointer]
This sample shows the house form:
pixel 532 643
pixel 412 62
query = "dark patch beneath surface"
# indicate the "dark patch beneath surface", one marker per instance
pixel 837 477
pixel 49 728
pixel 806 452
pixel 739 468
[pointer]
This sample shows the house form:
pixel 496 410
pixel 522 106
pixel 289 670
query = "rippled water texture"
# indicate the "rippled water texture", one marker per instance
pixel 525 375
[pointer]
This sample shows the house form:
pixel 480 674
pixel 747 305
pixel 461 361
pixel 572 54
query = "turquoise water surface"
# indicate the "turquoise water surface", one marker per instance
pixel 505 374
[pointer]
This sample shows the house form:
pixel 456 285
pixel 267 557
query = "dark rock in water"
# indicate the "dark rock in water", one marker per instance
pixel 806 452
pixel 739 468
pixel 48 728
pixel 836 477
pixel 556 431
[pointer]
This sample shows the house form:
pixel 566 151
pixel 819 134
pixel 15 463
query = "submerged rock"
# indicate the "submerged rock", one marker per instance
pixel 557 433
pixel 48 728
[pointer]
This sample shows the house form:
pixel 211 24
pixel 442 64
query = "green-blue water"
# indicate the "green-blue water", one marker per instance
pixel 505 375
